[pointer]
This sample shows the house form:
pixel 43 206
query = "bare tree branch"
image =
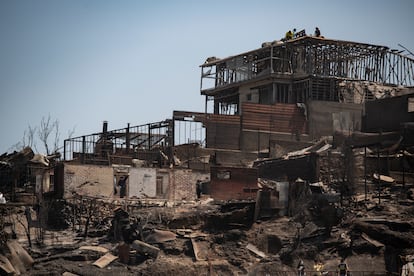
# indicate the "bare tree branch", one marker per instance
pixel 47 127
pixel 71 132
pixel 28 136
pixel 44 131
pixel 18 147
pixel 57 136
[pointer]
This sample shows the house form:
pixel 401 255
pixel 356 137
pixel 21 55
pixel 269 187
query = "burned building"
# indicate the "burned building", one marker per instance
pixel 265 103
pixel 259 183
pixel 298 90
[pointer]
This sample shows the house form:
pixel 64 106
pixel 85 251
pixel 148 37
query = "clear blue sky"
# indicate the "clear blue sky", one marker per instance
pixel 135 62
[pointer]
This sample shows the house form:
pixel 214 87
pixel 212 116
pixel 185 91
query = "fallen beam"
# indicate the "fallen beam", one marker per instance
pixel 372 241
pixel 6 268
pixel 255 250
pixel 105 260
pixel 145 249
pixel 386 236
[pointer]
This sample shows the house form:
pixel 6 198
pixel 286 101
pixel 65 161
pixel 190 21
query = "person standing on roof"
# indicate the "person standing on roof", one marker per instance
pixel 289 35
pixel 317 32
pixel 294 33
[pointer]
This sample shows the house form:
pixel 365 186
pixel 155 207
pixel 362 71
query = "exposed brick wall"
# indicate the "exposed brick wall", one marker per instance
pixel 232 190
pixel 183 184
pixel 240 184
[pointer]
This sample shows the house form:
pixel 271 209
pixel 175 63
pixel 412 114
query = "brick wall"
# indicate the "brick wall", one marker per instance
pixel 183 184
pixel 233 183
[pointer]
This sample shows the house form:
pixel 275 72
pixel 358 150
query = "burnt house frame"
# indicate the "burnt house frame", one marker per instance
pixel 120 146
pixel 276 92
pixel 283 94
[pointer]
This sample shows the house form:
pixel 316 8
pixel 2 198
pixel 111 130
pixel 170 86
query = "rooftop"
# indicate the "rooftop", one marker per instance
pixel 309 56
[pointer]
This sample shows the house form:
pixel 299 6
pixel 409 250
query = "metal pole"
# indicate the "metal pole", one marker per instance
pixel 128 139
pixel 205 105
pixel 64 150
pixel 365 173
pixel 271 59
pixel 172 132
pixel 149 136
pixel 379 178
pixel 403 169
pixel 403 158
pixel 83 149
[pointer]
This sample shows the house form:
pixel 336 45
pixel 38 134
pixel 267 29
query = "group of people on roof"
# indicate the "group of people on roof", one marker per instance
pixel 292 34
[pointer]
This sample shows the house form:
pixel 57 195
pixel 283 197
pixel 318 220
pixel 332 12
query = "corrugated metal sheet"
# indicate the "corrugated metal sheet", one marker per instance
pixel 286 118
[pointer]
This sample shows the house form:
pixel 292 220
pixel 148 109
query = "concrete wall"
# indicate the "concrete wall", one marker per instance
pixel 142 182
pixel 98 181
pixel 250 89
pixel 88 180
pixel 163 179
pixel 326 117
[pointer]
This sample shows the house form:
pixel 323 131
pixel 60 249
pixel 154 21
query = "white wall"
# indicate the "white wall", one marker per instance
pixel 98 181
pixel 142 182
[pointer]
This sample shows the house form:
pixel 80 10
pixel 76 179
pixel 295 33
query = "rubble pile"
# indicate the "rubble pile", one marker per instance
pixel 205 237
pixel 291 221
